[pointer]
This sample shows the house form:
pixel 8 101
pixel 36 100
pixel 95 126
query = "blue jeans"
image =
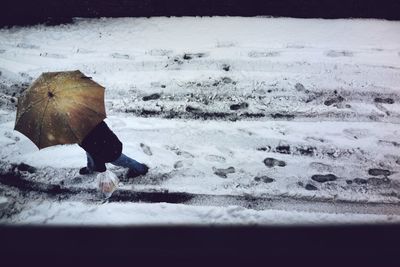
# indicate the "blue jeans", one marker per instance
pixel 122 161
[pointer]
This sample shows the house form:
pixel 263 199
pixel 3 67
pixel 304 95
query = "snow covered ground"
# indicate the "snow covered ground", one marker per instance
pixel 253 120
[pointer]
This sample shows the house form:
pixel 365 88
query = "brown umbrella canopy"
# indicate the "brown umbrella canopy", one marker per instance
pixel 60 108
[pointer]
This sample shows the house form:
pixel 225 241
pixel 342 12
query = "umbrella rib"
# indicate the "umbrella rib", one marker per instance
pixel 83 105
pixel 70 88
pixel 72 131
pixel 41 123
pixel 29 108
pixel 69 126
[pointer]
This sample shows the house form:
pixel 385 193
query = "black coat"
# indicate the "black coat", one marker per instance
pixel 102 144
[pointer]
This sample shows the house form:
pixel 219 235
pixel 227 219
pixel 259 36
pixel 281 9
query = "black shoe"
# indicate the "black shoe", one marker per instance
pixel 132 173
pixel 84 171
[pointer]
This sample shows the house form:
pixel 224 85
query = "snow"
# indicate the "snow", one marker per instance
pixel 204 145
pixel 316 83
pixel 178 214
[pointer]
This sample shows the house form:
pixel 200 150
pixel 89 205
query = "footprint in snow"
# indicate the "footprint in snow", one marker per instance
pixel 27 46
pixel 306 150
pixel 310 187
pixel 146 149
pixel 11 136
pixel 370 181
pixel 223 172
pixel 120 56
pixel 271 162
pixel 264 179
pixel 151 97
pixel 185 154
pixel 337 53
pixel 283 149
pixel 23 75
pixel 179 152
pixel 258 54
pixel 378 172
pixel 354 133
pixel 225 151
pixel 159 52
pixel 242 105
pixel 382 108
pixel 245 131
pixel 300 87
pixel 378 181
pixel 358 181
pixel 215 158
pixel 390 143
pixel 178 164
pixel 189 56
pixel 322 178
pixel 226 67
pixel 321 167
pixel 84 51
pixel 154 178
pixel 334 100
pixel 381 100
pixel 52 55
pixel 393 158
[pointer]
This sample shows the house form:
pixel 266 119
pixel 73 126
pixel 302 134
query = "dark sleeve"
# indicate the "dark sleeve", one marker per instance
pixel 102 144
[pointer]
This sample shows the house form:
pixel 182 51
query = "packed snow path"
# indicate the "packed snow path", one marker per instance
pixel 298 112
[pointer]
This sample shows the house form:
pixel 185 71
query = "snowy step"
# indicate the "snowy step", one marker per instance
pixel 303 204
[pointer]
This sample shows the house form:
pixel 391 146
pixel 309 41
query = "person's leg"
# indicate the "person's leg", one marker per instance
pixel 133 165
pixel 91 166
pixel 90 162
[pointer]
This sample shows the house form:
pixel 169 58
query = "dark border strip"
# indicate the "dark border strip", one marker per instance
pixel 359 245
pixel 29 12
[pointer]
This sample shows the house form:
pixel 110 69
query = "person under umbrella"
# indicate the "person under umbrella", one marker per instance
pixel 68 108
pixel 103 146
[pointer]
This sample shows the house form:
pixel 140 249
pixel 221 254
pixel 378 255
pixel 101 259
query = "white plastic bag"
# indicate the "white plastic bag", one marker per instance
pixel 107 183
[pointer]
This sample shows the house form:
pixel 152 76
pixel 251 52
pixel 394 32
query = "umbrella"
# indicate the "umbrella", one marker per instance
pixel 60 108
